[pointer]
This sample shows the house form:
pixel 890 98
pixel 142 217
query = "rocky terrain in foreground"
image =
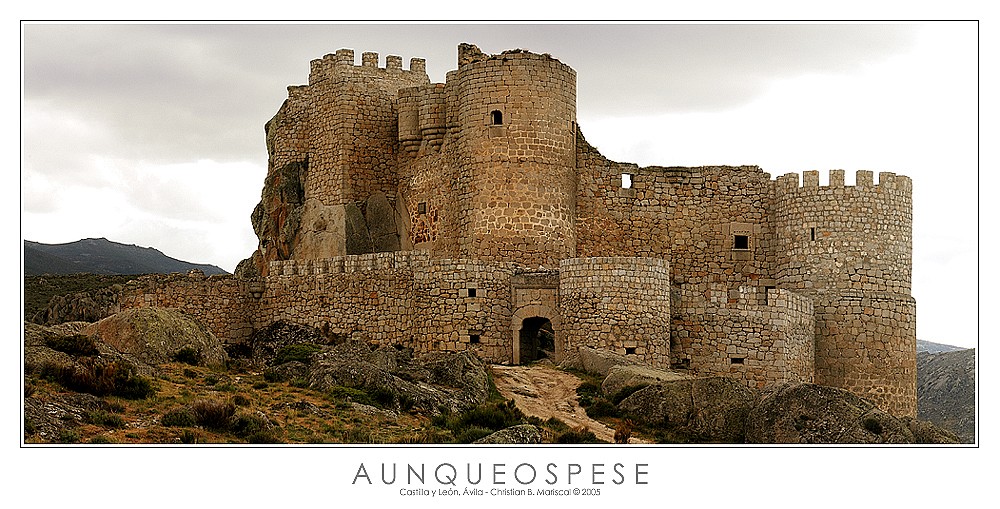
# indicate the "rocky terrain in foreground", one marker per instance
pixel 157 376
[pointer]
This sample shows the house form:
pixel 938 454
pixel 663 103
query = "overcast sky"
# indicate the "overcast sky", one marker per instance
pixel 153 134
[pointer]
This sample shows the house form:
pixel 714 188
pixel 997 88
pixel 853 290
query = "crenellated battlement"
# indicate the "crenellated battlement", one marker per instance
pixel 341 63
pixel 887 181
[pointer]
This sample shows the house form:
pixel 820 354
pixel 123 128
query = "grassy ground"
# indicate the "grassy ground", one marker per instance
pixel 198 405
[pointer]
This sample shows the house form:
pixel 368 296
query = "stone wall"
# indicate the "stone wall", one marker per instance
pixel 222 303
pixel 749 333
pixel 619 304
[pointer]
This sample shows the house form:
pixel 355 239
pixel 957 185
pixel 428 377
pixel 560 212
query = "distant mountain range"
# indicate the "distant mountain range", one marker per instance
pixel 930 347
pixel 102 256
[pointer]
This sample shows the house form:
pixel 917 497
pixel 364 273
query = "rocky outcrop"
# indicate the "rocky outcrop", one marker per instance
pixel 521 434
pixel 622 377
pixel 152 336
pixel 799 413
pixel 598 362
pixel 703 410
pixel 450 382
pixel 88 306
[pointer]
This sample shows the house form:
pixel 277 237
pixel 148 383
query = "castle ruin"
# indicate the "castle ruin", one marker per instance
pixel 473 215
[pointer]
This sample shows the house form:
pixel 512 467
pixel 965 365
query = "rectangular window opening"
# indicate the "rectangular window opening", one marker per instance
pixel 422 207
pixel 626 181
pixel 741 242
pixel 736 360
pixel 630 350
pixel 767 290
pixel 472 292
pixel 812 234
pixel 474 339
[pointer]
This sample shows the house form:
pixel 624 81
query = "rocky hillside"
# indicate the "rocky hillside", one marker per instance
pixel 102 256
pixel 946 391
pixel 157 376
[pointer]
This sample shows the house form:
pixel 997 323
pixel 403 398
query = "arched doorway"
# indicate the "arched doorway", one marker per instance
pixel 535 334
pixel 537 339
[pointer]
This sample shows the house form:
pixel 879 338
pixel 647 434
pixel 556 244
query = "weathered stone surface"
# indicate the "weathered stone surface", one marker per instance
pixel 703 409
pixel 357 237
pixel 456 381
pixel 620 377
pixel 598 362
pixel 153 336
pixel 380 217
pixel 797 413
pixel 521 434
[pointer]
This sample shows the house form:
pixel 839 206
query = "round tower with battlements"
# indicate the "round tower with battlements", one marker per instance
pixel 849 248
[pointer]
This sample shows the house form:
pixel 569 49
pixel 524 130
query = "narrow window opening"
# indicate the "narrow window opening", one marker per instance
pixel 629 350
pixel 496 117
pixel 736 360
pixel 472 292
pixel 422 207
pixel 767 290
pixel 812 234
pixel 741 242
pixel 474 339
pixel 626 181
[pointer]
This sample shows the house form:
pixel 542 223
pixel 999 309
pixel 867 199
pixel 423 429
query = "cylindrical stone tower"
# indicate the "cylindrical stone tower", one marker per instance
pixel 849 248
pixel 516 114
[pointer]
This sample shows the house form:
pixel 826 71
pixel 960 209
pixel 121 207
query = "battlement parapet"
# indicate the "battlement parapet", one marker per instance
pixel 342 62
pixel 789 182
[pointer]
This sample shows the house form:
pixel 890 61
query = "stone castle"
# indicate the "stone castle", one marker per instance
pixel 473 215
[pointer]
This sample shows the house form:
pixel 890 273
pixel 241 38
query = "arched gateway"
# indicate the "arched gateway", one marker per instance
pixel 535 334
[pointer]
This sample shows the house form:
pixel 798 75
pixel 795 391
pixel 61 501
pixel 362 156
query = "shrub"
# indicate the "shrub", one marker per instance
pixel 188 437
pixel 188 355
pixel 382 396
pixel 471 434
pixel 260 385
pixel 99 378
pixel 68 436
pixel 181 417
pixel 241 400
pixel 76 345
pixel 586 393
pixel 102 418
pixel 211 380
pixel 338 393
pixel 872 424
pixel 301 352
pixel 301 383
pixel 213 413
pixel 601 408
pixel 246 425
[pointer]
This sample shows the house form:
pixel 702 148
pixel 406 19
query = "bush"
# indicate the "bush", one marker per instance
pixel 76 345
pixel 260 385
pixel 213 413
pixel 338 394
pixel 586 393
pixel 106 419
pixel 601 408
pixel 301 352
pixel 471 434
pixel 99 378
pixel 246 425
pixel 181 417
pixel 188 355
pixel 241 400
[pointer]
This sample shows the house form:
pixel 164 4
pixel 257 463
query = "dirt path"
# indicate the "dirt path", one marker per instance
pixel 543 391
